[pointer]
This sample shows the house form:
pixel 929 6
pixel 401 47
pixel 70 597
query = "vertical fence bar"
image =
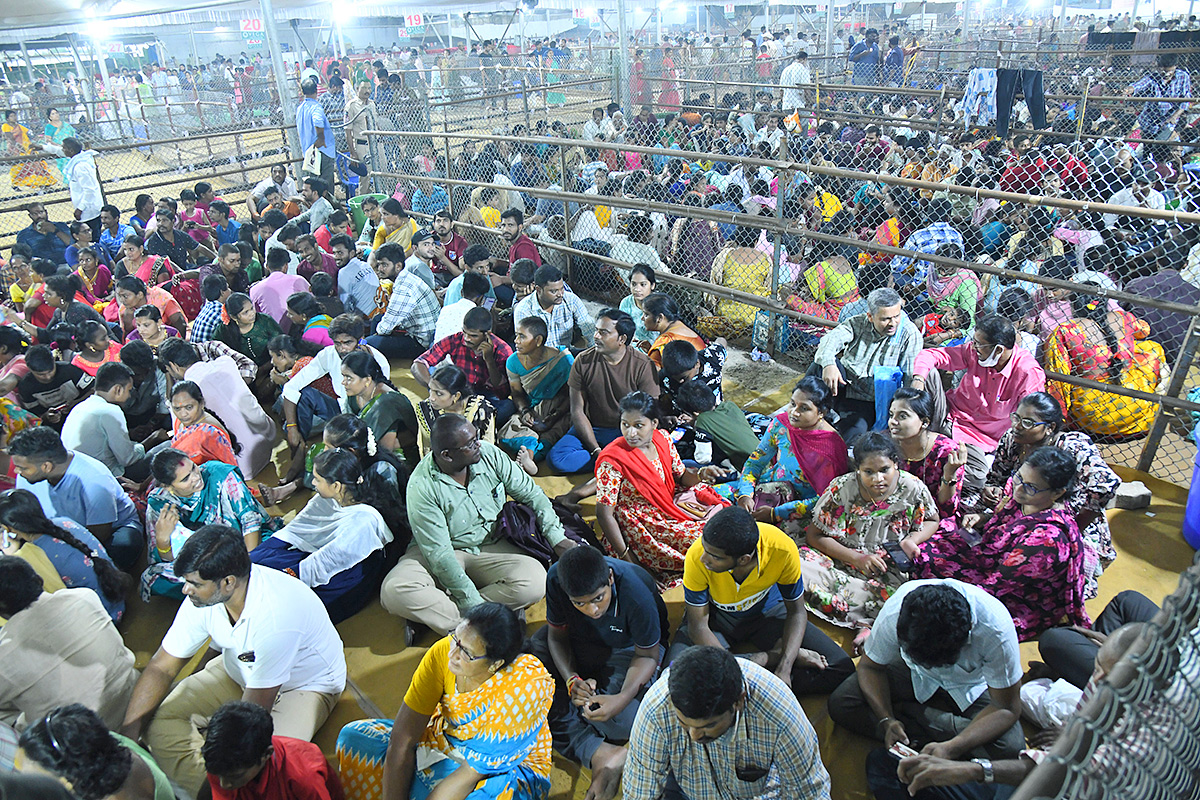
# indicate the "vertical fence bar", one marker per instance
pixel 562 161
pixel 1183 364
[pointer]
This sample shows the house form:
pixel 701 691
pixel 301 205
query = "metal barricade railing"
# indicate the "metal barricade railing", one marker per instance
pixel 747 269
pixel 232 162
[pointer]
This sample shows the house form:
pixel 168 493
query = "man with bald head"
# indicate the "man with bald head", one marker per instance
pixel 454 561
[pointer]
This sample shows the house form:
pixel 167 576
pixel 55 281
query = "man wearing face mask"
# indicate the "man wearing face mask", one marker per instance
pixel 977 411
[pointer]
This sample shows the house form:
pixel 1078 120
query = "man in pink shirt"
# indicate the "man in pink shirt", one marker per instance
pixel 998 376
pixel 271 293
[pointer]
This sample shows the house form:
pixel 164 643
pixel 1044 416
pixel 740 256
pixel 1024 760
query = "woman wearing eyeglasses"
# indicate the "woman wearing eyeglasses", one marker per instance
pixel 1038 422
pixel 475 713
pixel 1028 554
pixel 74 745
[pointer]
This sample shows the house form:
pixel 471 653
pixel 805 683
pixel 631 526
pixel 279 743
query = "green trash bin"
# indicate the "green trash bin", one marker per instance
pixel 357 217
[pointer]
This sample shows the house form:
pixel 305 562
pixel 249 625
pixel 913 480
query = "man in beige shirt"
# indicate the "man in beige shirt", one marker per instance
pixel 360 110
pixel 58 649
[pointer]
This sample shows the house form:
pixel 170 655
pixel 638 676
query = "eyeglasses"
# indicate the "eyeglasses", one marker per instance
pixel 466 653
pixel 1024 423
pixel 49 723
pixel 470 446
pixel 1029 488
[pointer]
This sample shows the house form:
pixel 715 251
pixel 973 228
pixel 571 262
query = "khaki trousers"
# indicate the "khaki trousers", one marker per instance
pixel 175 737
pixel 501 572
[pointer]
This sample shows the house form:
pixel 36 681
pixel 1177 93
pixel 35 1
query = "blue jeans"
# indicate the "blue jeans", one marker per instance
pixel 314 405
pixel 568 454
pixel 126 545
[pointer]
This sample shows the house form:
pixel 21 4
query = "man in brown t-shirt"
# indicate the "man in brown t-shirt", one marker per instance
pixel 600 377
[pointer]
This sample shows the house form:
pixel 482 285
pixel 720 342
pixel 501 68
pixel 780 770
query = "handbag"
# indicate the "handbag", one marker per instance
pixel 312 161
pixel 773 494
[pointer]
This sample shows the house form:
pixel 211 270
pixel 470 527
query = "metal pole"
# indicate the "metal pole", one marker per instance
pixel 1187 355
pixel 562 181
pixel 28 60
pixel 286 96
pixel 658 21
pixel 85 86
pixel 966 19
pixel 1062 23
pixel 829 35
pixel 622 76
pixel 341 37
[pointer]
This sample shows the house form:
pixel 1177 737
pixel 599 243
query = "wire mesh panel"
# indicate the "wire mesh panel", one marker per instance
pixel 232 163
pixel 770 228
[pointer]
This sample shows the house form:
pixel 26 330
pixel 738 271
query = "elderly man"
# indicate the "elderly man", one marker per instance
pixel 561 310
pixel 998 376
pixel 941 666
pixel 858 359
pixel 455 560
pixel 82 180
pixel 719 726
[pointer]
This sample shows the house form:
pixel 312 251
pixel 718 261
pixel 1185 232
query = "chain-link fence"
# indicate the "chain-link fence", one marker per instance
pixel 1135 734
pixel 775 250
pixel 231 162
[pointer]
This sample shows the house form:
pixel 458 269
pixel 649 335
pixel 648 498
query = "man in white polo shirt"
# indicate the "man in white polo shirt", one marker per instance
pixel 278 650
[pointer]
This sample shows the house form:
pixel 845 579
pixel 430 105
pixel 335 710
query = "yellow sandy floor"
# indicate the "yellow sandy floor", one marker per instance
pixel 1151 555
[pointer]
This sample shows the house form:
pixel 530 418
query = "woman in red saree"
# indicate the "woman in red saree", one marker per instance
pixel 797 458
pixel 641 93
pixel 642 518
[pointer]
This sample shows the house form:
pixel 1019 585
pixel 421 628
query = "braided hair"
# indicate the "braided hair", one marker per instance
pixel 1095 308
pixel 21 511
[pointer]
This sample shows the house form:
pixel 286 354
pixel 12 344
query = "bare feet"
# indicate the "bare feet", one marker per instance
pixel 273 495
pixel 607 765
pixel 525 459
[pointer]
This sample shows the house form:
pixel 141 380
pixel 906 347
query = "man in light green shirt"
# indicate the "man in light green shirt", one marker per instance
pixel 454 563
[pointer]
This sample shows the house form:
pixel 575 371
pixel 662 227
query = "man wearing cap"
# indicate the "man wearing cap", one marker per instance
pixel 420 263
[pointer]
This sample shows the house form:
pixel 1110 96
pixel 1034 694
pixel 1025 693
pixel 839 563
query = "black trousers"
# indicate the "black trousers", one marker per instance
pixel 764 631
pixel 1029 81
pixel 1072 655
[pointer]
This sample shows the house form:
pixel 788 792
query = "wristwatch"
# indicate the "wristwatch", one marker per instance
pixel 988 775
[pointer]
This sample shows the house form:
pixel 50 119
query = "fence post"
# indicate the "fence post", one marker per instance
pixel 525 102
pixel 562 161
pixel 237 141
pixel 372 145
pixel 450 194
pixel 772 319
pixel 1187 355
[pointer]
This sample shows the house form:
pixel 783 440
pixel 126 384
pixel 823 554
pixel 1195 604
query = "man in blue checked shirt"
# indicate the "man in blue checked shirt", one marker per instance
pixel 909 274
pixel 717 727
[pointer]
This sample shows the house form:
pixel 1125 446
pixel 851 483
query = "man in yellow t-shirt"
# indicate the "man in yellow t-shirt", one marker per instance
pixel 742 584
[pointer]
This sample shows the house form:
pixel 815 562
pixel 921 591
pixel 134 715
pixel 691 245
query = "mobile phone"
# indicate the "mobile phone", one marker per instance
pixel 488 302
pixel 901 750
pixel 969 535
pixel 898 556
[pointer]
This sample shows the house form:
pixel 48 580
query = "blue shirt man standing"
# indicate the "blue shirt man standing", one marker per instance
pixel 315 131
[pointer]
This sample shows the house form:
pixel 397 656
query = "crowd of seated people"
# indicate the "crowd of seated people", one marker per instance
pixel 925 486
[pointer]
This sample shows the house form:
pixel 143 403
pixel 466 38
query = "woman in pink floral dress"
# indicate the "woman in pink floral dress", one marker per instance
pixel 1030 556
pixel 848 575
